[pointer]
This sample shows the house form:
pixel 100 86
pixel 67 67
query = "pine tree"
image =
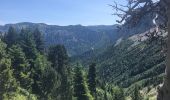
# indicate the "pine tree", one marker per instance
pixel 49 83
pixel 136 94
pixel 92 78
pixel 38 38
pixel 21 66
pixel 11 37
pixel 59 59
pixel 28 45
pixel 80 87
pixel 8 84
pixel 40 66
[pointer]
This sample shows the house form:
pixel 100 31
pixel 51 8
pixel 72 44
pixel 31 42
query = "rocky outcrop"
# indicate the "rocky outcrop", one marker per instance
pixel 164 91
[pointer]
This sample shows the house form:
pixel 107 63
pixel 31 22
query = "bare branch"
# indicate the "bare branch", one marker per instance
pixel 115 7
pixel 130 9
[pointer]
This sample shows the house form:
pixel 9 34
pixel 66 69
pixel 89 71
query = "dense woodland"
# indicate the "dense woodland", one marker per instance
pixel 29 71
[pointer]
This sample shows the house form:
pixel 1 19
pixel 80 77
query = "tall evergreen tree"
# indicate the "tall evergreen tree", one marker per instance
pixel 92 78
pixel 38 37
pixel 28 45
pixel 40 66
pixel 21 66
pixel 59 59
pixel 49 83
pixel 80 86
pixel 11 37
pixel 8 84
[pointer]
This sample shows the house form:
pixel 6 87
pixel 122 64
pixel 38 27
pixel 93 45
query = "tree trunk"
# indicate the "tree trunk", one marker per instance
pixel 164 91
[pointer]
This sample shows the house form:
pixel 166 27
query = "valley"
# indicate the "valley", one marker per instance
pixel 123 57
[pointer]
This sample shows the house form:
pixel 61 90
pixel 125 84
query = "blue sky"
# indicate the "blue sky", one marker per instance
pixel 57 12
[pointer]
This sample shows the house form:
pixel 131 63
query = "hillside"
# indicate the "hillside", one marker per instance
pixel 76 38
pixel 129 61
pixel 132 59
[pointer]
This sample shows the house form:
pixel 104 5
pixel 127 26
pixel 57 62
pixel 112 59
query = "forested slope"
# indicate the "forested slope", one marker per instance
pixel 29 72
pixel 128 62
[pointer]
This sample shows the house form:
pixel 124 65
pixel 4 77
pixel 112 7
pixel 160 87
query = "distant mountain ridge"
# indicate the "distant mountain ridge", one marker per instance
pixel 79 39
pixel 76 38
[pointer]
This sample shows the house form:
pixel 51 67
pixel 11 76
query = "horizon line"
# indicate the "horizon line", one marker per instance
pixel 58 24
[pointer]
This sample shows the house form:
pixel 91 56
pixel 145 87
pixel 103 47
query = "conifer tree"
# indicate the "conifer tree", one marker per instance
pixel 11 37
pixel 28 45
pixel 80 86
pixel 49 83
pixel 92 78
pixel 21 66
pixel 40 66
pixel 8 84
pixel 59 59
pixel 38 38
